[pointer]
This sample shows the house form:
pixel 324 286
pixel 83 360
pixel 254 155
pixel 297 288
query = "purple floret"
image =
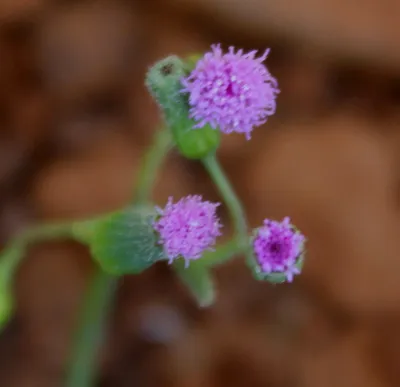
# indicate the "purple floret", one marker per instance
pixel 233 92
pixel 187 228
pixel 277 247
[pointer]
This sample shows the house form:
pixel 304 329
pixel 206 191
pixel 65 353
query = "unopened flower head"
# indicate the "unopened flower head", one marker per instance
pixel 233 91
pixel 187 228
pixel 277 247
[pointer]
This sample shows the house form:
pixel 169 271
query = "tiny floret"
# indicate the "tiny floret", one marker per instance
pixel 233 92
pixel 187 228
pixel 277 247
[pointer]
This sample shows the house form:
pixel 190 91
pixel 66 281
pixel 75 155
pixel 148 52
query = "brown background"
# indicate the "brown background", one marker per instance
pixel 75 119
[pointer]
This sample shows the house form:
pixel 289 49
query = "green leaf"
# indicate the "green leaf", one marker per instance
pixel 124 242
pixel 199 281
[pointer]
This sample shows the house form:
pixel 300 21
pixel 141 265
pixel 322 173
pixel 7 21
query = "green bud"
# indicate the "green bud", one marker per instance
pixel 123 242
pixel 164 83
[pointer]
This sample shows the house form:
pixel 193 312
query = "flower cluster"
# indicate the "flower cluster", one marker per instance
pixel 229 92
pixel 233 91
pixel 187 228
pixel 277 247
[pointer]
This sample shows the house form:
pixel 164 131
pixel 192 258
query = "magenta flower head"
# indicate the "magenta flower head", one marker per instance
pixel 233 91
pixel 278 248
pixel 187 228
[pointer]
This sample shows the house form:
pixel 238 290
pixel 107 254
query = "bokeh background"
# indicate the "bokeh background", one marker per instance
pixel 75 119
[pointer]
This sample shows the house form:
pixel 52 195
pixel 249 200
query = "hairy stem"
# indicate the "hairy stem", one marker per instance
pixel 221 254
pixel 152 162
pixel 101 290
pixel 231 200
pixel 93 316
pixel 14 251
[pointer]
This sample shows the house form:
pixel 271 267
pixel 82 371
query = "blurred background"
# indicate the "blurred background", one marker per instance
pixel 74 120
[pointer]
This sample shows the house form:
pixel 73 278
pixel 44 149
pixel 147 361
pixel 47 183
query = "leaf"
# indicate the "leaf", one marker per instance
pixel 199 281
pixel 124 242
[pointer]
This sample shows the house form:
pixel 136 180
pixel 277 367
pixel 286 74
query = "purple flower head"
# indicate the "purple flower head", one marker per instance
pixel 277 247
pixel 187 228
pixel 233 92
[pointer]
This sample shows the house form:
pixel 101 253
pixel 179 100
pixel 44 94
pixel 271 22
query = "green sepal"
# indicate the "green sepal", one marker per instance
pixel 198 280
pixel 164 83
pixel 123 242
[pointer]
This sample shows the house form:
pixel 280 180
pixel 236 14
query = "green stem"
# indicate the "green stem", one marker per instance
pixel 95 309
pixel 101 290
pixel 14 252
pixel 12 255
pixel 231 200
pixel 45 232
pixel 222 254
pixel 152 161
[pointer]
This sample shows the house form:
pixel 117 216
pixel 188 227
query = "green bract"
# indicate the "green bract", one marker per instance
pixel 164 83
pixel 123 242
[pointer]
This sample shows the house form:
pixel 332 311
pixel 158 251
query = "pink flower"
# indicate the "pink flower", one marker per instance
pixel 277 247
pixel 233 92
pixel 187 228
